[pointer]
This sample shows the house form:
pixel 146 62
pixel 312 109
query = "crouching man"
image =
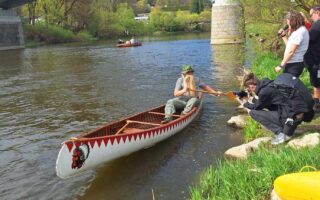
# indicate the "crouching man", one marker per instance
pixel 280 105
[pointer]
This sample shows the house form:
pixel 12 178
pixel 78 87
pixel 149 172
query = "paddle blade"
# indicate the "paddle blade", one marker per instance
pixel 230 95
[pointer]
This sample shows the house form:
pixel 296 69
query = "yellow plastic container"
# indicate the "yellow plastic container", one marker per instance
pixel 298 186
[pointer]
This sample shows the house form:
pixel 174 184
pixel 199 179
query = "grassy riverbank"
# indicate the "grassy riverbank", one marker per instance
pixel 253 178
pixel 49 34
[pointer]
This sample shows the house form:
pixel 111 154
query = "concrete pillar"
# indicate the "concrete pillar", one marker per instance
pixel 227 24
pixel 11 33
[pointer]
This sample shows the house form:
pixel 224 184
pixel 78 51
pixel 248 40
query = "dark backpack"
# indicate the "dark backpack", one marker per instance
pixel 296 98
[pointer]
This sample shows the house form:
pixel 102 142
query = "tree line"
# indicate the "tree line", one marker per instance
pixel 65 19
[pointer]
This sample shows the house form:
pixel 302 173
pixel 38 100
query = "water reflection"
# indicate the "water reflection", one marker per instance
pixel 50 94
pixel 228 61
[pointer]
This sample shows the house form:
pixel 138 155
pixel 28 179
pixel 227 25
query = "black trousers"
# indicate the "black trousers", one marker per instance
pixel 313 73
pixel 271 120
pixel 295 69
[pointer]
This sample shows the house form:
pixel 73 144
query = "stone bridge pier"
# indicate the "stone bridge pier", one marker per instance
pixel 11 33
pixel 227 23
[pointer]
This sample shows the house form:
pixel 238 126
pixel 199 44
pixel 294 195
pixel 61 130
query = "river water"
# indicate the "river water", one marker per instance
pixel 49 94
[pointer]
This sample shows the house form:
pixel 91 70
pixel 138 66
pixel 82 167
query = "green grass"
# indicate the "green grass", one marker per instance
pixel 85 36
pixel 253 178
pixel 263 29
pixel 265 63
pixel 253 130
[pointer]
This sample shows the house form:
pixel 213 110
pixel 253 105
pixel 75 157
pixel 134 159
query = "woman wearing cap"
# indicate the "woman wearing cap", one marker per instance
pixel 184 98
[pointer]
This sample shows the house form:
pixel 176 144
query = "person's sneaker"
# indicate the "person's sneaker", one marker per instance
pixel 280 138
pixel 166 120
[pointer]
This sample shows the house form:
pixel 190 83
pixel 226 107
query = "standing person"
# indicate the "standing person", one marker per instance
pixel 306 21
pixel 185 99
pixel 297 41
pixel 312 57
pixel 281 104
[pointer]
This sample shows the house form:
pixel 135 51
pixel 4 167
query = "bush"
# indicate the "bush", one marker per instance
pixel 85 36
pixel 48 33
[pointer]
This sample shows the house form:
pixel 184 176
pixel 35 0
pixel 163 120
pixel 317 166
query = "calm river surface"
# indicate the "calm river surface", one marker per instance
pixel 49 94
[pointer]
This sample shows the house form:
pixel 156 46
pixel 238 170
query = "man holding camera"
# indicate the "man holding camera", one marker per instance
pixel 280 105
pixel 312 57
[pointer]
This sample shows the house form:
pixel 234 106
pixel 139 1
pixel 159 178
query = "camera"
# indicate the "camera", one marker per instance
pixel 241 94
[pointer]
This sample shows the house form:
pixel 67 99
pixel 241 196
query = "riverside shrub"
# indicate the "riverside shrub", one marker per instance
pixel 41 32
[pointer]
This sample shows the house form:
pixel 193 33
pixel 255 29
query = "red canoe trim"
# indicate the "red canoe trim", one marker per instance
pixel 135 136
pixel 69 145
pixel 99 142
pixel 105 141
pixel 77 143
pixel 112 140
pixel 119 139
pixel 92 142
pixel 140 136
pixel 124 138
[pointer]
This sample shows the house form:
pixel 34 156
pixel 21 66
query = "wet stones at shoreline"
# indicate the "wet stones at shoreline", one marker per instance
pixel 243 151
pixel 309 140
pixel 238 121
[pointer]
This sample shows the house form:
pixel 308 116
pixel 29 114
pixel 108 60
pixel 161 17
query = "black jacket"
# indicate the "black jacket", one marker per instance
pixel 286 94
pixel 268 97
pixel 312 56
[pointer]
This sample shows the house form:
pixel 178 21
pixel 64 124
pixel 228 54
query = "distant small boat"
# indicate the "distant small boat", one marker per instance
pixel 118 139
pixel 136 44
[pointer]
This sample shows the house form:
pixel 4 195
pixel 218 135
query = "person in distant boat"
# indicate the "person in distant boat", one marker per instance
pixel 133 39
pixel 185 96
pixel 120 41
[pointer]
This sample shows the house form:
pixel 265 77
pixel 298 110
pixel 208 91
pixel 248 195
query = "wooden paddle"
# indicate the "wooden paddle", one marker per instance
pixel 229 94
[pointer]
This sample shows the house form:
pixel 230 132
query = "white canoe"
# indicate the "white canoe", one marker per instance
pixel 118 139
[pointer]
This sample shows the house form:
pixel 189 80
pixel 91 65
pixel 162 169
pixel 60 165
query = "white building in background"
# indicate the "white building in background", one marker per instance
pixel 142 17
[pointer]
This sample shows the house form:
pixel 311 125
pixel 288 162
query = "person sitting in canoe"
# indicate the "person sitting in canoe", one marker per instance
pixel 185 97
pixel 133 40
pixel 120 41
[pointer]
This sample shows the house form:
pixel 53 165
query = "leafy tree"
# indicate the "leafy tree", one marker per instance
pixel 124 16
pixel 196 6
pixel 142 6
pixel 154 17
pixel 205 16
pixel 273 11
pixel 168 21
pixel 184 19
